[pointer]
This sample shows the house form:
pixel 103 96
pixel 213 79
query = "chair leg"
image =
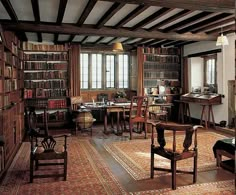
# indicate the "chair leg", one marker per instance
pixel 173 168
pixel 65 168
pixel 31 169
pixel 195 169
pixel 145 130
pixel 152 162
pixel 130 130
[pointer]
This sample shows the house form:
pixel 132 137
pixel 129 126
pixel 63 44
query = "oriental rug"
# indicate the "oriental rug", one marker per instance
pixel 216 188
pixel 134 155
pixel 87 174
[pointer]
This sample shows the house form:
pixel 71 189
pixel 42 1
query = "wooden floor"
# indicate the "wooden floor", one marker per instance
pixel 98 139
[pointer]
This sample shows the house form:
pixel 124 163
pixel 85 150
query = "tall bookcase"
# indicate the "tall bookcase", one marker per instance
pixel 11 95
pixel 161 71
pixel 46 81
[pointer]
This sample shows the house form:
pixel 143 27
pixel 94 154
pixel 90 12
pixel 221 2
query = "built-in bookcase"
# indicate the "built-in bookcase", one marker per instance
pixel 46 81
pixel 11 95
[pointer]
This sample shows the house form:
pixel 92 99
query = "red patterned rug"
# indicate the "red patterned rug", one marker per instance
pixel 216 188
pixel 134 155
pixel 87 174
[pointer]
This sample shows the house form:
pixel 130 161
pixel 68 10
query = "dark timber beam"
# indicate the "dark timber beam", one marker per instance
pixel 60 15
pixel 105 31
pixel 224 6
pixel 84 15
pixel 131 15
pixel 152 17
pixel 10 10
pixel 110 12
pixel 35 7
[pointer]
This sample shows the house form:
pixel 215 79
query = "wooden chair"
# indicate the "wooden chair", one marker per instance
pixel 32 124
pixel 175 153
pixel 138 114
pixel 45 151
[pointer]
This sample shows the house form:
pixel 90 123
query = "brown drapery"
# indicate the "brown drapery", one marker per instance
pixel 140 56
pixel 74 70
pixel 185 76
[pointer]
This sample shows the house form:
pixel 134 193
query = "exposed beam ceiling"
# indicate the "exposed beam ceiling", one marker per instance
pixel 105 31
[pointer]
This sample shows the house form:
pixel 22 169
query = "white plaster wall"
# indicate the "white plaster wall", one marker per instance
pixel 225 72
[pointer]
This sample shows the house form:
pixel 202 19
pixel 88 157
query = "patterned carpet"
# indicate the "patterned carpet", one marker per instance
pixel 87 174
pixel 216 188
pixel 134 155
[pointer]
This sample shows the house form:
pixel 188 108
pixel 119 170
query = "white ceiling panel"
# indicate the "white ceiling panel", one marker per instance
pixel 134 40
pixel 48 10
pixel 120 39
pixel 78 38
pixel 74 9
pixel 106 39
pixel 47 37
pixel 97 12
pixel 92 38
pixel 181 19
pixel 63 37
pixel 124 11
pixel 23 9
pixel 151 10
pixel 32 36
pixel 3 12
pixel 171 13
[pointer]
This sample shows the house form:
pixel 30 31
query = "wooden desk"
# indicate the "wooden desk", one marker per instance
pixel 205 100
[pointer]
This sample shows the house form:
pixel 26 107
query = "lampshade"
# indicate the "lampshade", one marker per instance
pixel 222 40
pixel 117 47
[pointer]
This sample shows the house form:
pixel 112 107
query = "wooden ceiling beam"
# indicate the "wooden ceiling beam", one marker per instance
pixel 131 15
pixel 105 31
pixel 211 25
pixel 170 19
pixel 200 23
pixel 110 12
pixel 86 12
pixel 184 22
pixel 10 10
pixel 35 7
pixel 152 17
pixel 61 11
pixel 217 31
pixel 224 6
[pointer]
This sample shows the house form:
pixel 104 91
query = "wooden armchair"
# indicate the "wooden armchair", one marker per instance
pixel 31 121
pixel 173 151
pixel 45 151
pixel 138 113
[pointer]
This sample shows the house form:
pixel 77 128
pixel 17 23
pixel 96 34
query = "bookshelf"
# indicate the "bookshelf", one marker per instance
pixel 11 95
pixel 46 81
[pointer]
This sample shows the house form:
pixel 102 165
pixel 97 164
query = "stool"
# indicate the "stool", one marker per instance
pixel 2 153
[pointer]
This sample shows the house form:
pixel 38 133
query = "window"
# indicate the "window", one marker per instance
pixel 210 73
pixel 123 63
pixel 110 71
pixel 96 71
pixel 210 70
pixel 84 71
pixel 104 71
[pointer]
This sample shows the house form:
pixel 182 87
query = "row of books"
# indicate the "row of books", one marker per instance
pixel 47 57
pixel 162 51
pixel 10 59
pixel 39 103
pixel 57 103
pixel 161 59
pixel 162 75
pixel 44 66
pixel 158 66
pixel 46 84
pixel 46 75
pixel 56 116
pixel 44 47
pixel 41 93
pixel 10 85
